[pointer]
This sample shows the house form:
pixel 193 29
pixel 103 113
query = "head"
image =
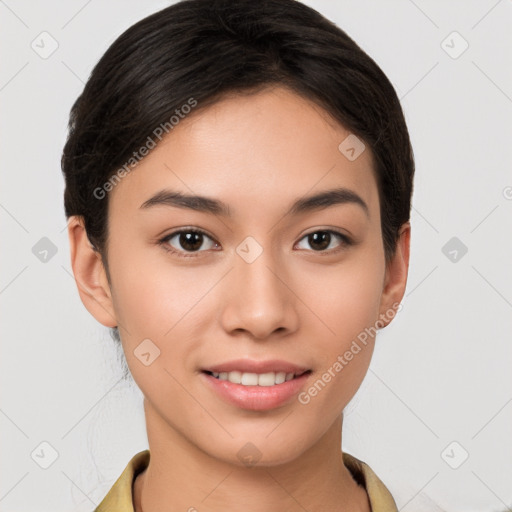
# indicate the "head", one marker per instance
pixel 297 248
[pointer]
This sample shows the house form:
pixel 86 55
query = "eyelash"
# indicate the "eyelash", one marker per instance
pixel 346 242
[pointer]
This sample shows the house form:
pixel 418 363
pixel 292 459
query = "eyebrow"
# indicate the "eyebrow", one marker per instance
pixel 209 205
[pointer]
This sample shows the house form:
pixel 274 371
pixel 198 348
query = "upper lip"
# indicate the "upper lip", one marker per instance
pixel 255 366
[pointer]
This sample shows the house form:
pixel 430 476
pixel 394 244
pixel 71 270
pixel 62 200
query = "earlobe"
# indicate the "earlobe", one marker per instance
pixel 395 280
pixel 90 275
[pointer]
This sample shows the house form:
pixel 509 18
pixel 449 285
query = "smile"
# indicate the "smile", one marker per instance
pixel 255 379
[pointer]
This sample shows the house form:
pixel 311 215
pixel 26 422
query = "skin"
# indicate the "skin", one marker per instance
pixel 256 153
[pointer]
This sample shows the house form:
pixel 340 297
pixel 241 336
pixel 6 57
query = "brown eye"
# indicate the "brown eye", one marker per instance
pixel 187 240
pixel 321 240
pixel 191 241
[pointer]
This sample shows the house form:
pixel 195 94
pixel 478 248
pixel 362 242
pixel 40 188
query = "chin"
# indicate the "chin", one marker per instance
pixel 260 449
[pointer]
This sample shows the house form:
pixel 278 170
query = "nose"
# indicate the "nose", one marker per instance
pixel 259 298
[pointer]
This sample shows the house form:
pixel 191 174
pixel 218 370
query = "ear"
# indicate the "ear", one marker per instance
pixel 395 279
pixel 90 276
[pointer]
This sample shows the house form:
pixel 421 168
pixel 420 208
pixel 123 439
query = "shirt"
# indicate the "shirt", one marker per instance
pixel 120 495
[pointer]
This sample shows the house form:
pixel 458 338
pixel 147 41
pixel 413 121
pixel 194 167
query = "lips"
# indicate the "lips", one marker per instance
pixel 255 366
pixel 256 385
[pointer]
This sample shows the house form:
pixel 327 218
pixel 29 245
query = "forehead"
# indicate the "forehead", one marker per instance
pixel 253 152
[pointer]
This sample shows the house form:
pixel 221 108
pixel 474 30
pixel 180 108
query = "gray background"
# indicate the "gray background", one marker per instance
pixel 441 373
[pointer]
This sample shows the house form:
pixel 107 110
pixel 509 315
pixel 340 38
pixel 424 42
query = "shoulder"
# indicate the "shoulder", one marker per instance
pixel 120 495
pixel 380 498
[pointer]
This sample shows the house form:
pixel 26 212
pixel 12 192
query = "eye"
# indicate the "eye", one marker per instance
pixel 321 240
pixel 186 241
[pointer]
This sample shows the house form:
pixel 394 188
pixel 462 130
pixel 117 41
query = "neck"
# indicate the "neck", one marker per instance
pixel 182 477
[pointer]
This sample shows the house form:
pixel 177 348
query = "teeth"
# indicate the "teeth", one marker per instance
pixel 254 379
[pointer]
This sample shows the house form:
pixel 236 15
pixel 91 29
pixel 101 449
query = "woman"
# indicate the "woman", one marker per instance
pixel 238 187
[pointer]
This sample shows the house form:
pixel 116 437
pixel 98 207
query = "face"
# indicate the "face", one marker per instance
pixel 256 283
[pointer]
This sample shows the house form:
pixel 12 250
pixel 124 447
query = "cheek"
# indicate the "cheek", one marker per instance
pixel 345 298
pixel 164 304
pixel 154 306
pixel 151 296
pixel 346 302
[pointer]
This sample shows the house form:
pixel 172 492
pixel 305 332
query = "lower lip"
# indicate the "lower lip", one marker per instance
pixel 256 398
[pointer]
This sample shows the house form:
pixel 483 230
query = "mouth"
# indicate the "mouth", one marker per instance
pixel 256 379
pixel 256 385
